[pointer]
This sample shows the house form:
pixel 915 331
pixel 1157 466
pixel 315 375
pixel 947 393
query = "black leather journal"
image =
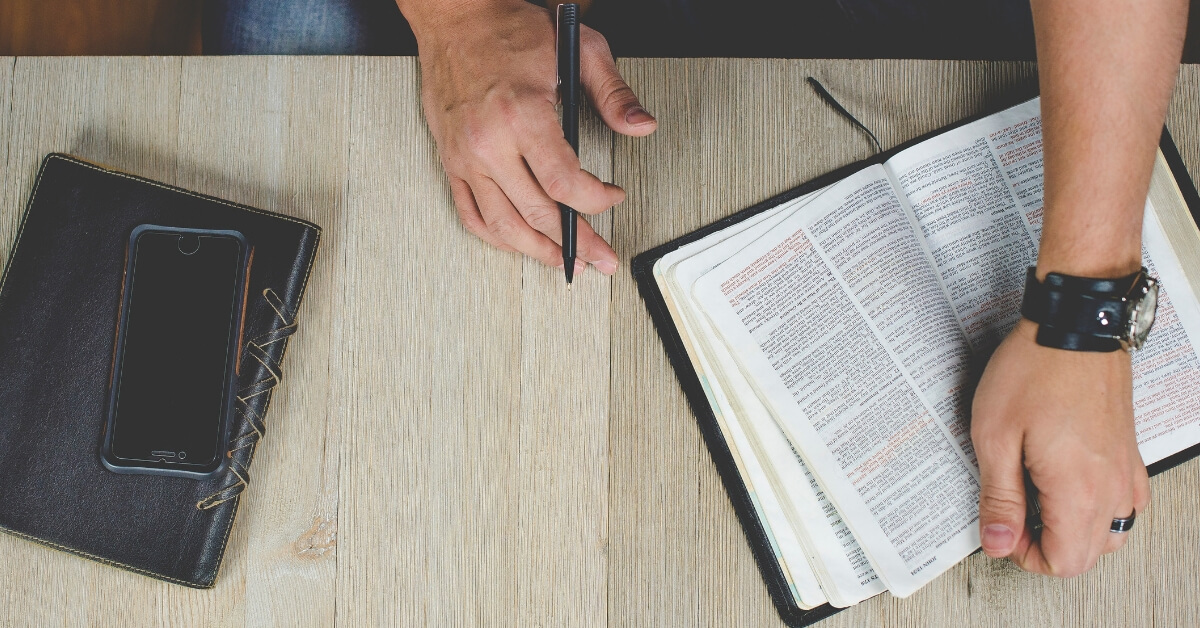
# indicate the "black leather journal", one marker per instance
pixel 744 502
pixel 60 298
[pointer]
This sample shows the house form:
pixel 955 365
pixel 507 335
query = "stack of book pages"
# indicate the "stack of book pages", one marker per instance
pixel 838 337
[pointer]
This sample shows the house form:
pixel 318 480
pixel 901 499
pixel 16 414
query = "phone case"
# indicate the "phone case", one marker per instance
pixel 107 457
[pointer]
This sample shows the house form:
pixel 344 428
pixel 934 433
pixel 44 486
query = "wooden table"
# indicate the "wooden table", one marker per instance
pixel 423 466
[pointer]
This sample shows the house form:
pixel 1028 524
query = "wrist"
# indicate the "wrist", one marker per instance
pixel 1101 240
pixel 1094 314
pixel 1093 266
pixel 1025 329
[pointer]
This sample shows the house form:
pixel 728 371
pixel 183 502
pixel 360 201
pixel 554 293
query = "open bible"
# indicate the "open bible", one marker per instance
pixel 836 335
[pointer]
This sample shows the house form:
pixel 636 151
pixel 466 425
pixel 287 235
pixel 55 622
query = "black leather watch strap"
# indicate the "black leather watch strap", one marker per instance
pixel 1050 337
pixel 1078 313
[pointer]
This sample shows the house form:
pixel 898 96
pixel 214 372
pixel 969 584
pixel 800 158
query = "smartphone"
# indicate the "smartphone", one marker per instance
pixel 176 357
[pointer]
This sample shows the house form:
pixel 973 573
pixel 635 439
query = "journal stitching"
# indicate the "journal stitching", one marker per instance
pixel 256 348
pixel 303 288
pixel 267 406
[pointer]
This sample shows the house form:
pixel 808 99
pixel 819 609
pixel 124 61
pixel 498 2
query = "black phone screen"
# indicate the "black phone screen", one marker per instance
pixel 177 346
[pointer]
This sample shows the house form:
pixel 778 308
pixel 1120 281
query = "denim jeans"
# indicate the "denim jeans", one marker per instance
pixel 305 27
pixel 936 29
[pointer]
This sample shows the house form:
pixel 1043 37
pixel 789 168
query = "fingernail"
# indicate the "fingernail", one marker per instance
pixel 997 539
pixel 637 116
pixel 579 266
pixel 605 266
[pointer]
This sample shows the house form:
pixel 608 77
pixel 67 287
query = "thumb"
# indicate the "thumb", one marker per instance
pixel 1002 498
pixel 612 98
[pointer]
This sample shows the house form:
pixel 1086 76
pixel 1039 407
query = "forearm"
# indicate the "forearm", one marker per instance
pixel 1107 69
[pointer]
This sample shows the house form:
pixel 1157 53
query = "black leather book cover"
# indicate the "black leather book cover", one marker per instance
pixel 642 269
pixel 60 298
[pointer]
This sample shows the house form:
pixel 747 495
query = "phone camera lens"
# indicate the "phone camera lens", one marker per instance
pixel 189 243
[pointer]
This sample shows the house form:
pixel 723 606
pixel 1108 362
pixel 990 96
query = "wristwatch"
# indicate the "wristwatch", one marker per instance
pixel 1084 314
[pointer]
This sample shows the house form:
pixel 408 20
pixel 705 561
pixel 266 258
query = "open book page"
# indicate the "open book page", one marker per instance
pixel 786 544
pixel 1166 409
pixel 1166 371
pixel 840 564
pixel 972 220
pixel 884 265
pixel 977 194
pixel 786 308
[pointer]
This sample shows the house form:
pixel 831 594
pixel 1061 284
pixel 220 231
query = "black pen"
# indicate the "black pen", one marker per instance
pixel 568 88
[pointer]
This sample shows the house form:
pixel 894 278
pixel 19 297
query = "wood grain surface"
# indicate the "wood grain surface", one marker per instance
pixel 460 440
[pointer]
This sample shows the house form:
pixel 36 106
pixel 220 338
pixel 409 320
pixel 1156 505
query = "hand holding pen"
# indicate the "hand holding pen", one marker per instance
pixel 489 91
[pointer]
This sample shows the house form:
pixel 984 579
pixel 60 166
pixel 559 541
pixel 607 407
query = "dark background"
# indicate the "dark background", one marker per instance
pixel 173 27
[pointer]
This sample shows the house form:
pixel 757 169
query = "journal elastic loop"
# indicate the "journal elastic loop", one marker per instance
pixel 256 348
pixel 832 102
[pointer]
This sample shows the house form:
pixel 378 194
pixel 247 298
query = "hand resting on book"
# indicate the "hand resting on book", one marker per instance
pixel 1068 415
pixel 1106 72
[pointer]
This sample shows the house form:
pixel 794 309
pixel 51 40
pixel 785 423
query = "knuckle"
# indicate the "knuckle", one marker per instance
pixel 985 445
pixel 1087 490
pixel 1001 500
pixel 559 187
pixel 506 229
pixel 542 217
pixel 987 432
pixel 593 40
pixel 1069 566
pixel 476 141
pixel 1024 563
pixel 480 140
pixel 507 111
pixel 616 93
pixel 453 165
pixel 471 220
pixel 1065 572
pixel 1141 493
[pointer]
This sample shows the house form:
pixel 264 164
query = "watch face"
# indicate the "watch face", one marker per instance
pixel 1141 318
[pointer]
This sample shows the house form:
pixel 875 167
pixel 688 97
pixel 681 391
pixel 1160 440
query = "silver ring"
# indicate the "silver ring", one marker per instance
pixel 1123 524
